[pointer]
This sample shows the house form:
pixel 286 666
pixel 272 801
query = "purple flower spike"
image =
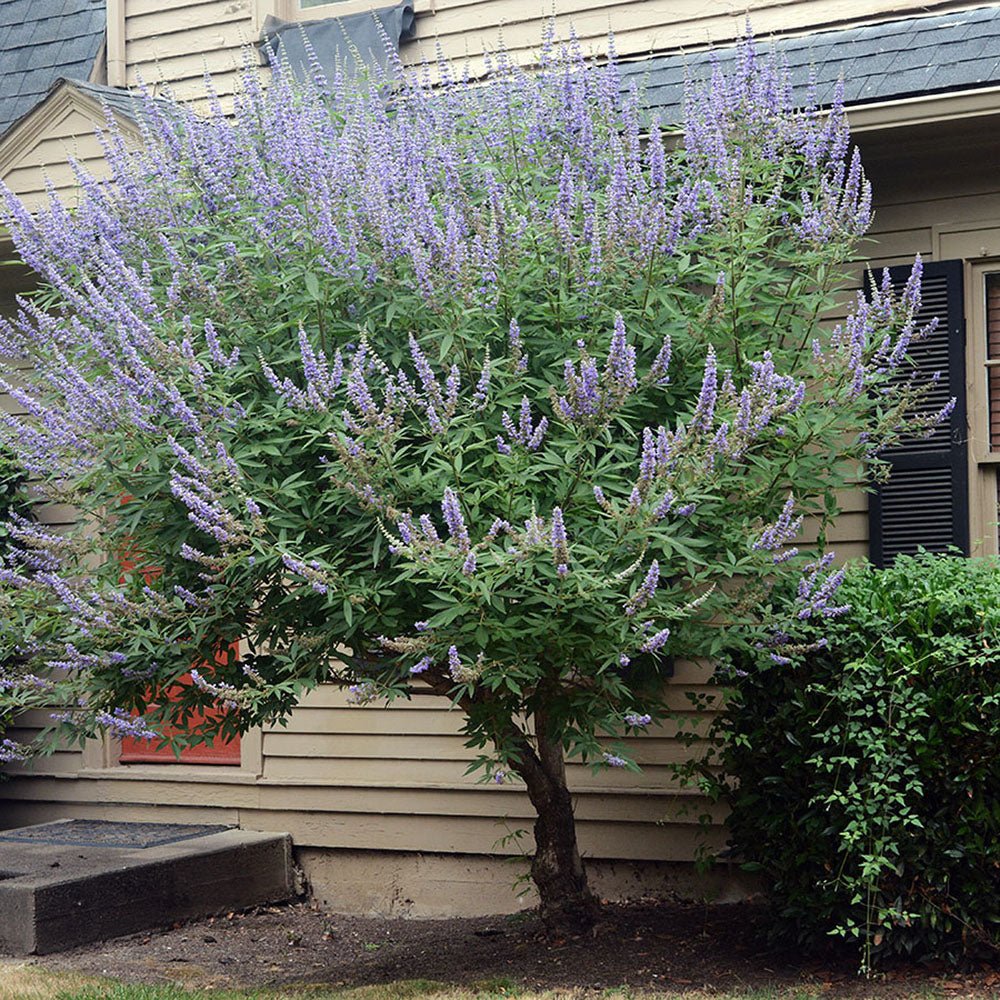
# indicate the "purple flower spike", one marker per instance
pixel 621 359
pixel 557 538
pixel 452 511
pixel 656 641
pixel 430 532
pixel 704 413
pixel 782 531
pixel 661 365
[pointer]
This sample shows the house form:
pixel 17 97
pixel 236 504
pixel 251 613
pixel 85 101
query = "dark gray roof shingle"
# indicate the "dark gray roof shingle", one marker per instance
pixel 41 41
pixel 123 102
pixel 958 50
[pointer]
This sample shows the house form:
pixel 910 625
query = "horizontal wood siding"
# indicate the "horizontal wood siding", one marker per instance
pixel 178 43
pixel 45 161
pixel 369 778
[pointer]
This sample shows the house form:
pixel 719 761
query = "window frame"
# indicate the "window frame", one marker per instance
pixel 102 759
pixel 290 10
pixel 984 464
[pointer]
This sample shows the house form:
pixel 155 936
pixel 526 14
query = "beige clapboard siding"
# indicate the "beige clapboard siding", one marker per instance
pixel 64 760
pixel 478 802
pixel 396 771
pixel 46 160
pixel 83 146
pixel 329 696
pixel 439 759
pixel 639 26
pixel 349 722
pixel 650 841
pixel 656 827
pixel 179 44
pixel 21 810
pixel 147 20
pixel 419 742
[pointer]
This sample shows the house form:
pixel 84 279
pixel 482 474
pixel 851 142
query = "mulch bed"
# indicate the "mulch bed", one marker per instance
pixel 676 947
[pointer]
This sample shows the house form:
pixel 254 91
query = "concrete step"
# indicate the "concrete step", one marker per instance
pixel 75 881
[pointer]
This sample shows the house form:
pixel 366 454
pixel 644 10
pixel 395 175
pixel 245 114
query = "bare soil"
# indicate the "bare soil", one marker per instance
pixel 661 946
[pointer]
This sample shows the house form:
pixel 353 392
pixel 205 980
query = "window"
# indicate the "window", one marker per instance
pixel 991 363
pixel 984 416
pixel 141 751
pixel 218 751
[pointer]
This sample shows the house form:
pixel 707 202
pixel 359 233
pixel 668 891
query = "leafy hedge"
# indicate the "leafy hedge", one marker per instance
pixel 867 787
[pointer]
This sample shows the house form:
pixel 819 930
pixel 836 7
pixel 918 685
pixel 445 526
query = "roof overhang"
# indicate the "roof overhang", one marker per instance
pixel 925 109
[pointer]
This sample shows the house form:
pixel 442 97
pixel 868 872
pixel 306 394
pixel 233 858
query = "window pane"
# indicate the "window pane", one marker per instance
pixel 993 353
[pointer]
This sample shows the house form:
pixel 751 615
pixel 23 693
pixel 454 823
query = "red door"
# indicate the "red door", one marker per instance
pixel 138 751
pixel 219 751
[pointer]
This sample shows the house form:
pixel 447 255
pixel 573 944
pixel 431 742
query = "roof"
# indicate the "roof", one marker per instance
pixel 127 103
pixel 40 41
pixel 891 60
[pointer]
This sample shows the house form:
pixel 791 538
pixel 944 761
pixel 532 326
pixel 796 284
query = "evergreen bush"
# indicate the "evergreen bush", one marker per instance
pixel 866 775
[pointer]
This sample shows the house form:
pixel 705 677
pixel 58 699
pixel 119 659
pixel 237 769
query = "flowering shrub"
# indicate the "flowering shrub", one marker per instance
pixel 12 498
pixel 467 388
pixel 868 791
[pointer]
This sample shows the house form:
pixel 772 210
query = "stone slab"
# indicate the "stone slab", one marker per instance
pixel 106 833
pixel 56 894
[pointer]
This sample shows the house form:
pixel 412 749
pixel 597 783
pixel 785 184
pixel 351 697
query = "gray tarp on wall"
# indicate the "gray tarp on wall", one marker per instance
pixel 339 41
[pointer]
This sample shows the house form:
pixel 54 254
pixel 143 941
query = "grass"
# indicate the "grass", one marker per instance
pixel 21 981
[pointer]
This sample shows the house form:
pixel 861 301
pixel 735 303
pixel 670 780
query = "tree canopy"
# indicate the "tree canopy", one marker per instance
pixel 493 388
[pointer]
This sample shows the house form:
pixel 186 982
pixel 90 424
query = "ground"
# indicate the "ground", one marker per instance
pixel 643 948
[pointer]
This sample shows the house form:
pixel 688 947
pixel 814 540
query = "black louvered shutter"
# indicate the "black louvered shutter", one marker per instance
pixel 925 503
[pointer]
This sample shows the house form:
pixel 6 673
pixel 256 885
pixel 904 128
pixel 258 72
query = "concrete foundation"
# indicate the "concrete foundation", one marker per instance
pixel 384 883
pixel 57 891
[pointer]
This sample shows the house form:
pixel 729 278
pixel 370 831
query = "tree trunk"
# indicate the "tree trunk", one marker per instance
pixel 568 907
pixel 567 904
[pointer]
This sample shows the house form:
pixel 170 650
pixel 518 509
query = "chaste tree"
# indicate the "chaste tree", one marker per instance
pixel 493 389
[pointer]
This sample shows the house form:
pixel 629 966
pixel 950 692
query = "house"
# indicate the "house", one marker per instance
pixel 376 800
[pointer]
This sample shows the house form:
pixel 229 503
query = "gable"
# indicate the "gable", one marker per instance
pixel 39 146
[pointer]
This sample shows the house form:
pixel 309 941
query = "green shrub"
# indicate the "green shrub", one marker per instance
pixel 867 776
